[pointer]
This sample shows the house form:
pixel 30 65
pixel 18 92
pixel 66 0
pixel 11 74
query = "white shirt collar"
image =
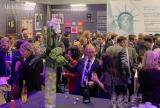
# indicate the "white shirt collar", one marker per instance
pixel 92 60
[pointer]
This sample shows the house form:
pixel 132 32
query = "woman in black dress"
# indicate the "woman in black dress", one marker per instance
pixel 105 83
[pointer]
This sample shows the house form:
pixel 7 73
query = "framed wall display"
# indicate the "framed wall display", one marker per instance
pixel 11 25
pixel 79 23
pixel 27 23
pixel 73 29
pixel 67 30
pixel 67 22
pixel 38 21
pixel 74 23
pixel 59 16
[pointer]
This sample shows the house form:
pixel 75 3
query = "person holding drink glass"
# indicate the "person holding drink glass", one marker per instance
pixel 84 68
pixel 105 82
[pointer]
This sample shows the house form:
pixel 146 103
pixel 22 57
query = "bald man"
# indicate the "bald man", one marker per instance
pixel 84 68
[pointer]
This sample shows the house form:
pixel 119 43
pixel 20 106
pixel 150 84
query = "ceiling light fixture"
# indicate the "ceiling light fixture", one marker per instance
pixel 78 5
pixel 30 3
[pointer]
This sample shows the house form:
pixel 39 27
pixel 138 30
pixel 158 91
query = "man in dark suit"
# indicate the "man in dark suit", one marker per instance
pixel 84 68
pixel 112 41
pixel 100 46
pixel 125 59
pixel 129 65
pixel 24 34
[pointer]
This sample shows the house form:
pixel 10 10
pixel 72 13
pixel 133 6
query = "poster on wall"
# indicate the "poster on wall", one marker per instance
pixel 67 23
pixel 79 29
pixel 11 25
pixel 73 29
pixel 133 16
pixel 74 23
pixel 79 23
pixel 67 30
pixel 38 21
pixel 28 23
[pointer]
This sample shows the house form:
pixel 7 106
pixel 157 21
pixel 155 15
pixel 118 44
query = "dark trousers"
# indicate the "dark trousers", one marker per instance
pixel 131 87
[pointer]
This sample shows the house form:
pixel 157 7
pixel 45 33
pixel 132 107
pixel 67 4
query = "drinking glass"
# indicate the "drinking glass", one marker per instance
pixel 139 98
pixel 133 100
pixel 114 100
pixel 66 92
pixel 120 101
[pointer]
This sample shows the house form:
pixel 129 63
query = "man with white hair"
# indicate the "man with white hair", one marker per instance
pixel 3 52
pixel 84 68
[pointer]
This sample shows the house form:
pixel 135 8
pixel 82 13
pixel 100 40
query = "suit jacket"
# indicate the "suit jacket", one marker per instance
pixel 114 52
pixel 119 56
pixel 103 49
pixel 30 72
pixel 79 69
pixel 14 75
pixel 132 58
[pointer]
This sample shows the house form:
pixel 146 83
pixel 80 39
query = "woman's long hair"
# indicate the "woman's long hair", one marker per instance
pixel 75 52
pixel 85 38
pixel 108 65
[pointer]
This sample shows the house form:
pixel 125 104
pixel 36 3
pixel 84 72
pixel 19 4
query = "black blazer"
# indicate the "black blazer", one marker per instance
pixel 14 75
pixel 150 85
pixel 30 72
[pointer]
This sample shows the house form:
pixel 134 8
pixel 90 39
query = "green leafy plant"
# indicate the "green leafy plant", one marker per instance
pixel 56 54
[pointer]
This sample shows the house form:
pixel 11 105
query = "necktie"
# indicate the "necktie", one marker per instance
pixel 85 74
pixel 100 50
pixel 87 66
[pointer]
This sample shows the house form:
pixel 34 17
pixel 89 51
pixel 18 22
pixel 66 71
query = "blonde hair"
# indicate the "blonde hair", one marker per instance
pixel 85 37
pixel 150 60
pixel 28 46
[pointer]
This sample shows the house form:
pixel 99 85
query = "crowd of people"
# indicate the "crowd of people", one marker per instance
pixel 21 60
pixel 108 62
pixel 105 63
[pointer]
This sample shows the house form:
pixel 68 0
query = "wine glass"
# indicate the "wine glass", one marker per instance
pixel 120 101
pixel 126 101
pixel 114 100
pixel 133 100
pixel 76 99
pixel 139 98
pixel 66 92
